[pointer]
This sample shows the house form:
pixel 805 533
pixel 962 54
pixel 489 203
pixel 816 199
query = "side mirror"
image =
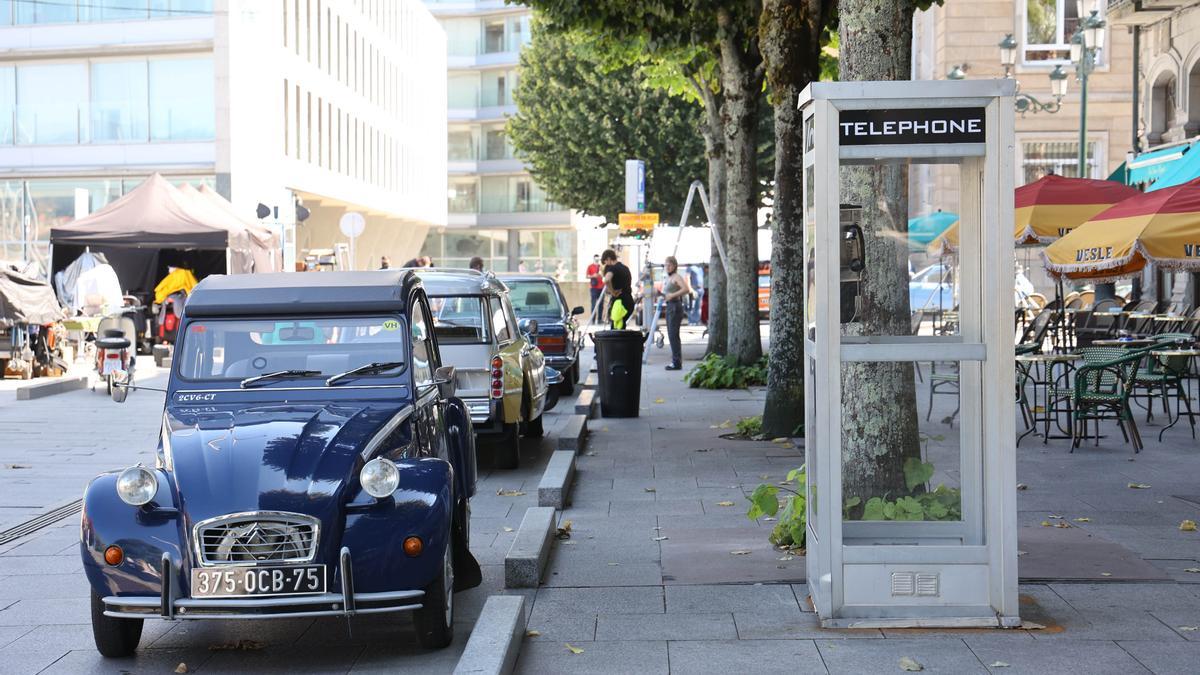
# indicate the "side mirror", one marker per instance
pixel 528 326
pixel 120 386
pixel 446 381
pixel 578 310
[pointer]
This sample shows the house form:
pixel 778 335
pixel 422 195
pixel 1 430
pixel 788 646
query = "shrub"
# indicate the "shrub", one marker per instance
pixel 789 530
pixel 723 372
pixel 749 427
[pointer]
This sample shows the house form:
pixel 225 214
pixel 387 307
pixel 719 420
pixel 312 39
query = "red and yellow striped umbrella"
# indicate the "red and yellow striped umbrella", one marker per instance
pixel 1162 227
pixel 1052 206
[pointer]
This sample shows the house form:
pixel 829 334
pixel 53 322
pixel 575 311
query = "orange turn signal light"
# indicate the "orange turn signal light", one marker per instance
pixel 113 555
pixel 413 546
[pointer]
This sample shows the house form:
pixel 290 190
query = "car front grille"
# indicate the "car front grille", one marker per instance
pixel 251 538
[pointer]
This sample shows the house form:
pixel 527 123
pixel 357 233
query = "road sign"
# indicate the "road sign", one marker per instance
pixel 352 224
pixel 637 221
pixel 635 186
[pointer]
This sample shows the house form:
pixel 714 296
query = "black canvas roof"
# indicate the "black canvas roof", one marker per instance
pixel 301 292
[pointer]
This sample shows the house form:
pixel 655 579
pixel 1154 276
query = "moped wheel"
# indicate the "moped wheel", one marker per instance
pixel 114 637
pixel 108 384
pixel 435 620
pixel 508 447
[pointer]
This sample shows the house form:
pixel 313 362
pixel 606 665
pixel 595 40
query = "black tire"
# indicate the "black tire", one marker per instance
pixel 115 638
pixel 467 573
pixel 534 428
pixel 508 447
pixel 575 371
pixel 435 620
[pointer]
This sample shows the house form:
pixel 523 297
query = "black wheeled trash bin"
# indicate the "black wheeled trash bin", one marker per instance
pixel 619 365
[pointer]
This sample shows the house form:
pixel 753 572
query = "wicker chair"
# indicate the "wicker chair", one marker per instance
pixel 1165 376
pixel 1101 391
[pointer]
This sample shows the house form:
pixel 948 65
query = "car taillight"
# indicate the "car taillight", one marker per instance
pixel 552 343
pixel 497 377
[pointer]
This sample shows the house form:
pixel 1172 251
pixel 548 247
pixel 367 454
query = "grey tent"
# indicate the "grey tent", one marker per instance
pixel 26 300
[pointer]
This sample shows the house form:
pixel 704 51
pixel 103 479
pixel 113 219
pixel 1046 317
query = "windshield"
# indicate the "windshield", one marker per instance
pixel 458 319
pixel 221 349
pixel 534 298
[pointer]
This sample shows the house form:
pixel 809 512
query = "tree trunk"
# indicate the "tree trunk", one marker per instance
pixel 714 146
pixel 790 41
pixel 879 409
pixel 741 79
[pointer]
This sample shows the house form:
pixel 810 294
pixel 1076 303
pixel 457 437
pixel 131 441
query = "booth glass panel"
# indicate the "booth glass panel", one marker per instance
pixel 902 456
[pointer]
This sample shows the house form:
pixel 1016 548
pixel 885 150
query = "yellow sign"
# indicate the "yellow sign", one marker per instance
pixel 638 221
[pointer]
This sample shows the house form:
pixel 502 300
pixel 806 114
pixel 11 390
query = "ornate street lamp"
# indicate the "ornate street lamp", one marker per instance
pixel 1026 102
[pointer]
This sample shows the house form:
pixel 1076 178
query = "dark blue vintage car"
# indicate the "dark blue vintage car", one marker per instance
pixel 313 461
pixel 539 298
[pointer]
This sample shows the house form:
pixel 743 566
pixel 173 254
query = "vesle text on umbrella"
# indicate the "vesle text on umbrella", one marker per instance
pixel 1093 254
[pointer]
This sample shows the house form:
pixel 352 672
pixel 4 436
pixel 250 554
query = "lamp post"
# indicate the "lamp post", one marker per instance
pixel 1027 102
pixel 1085 43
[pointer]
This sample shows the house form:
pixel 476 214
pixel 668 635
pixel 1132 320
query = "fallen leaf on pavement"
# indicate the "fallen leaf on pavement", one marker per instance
pixel 1022 486
pixel 1083 520
pixel 181 668
pixel 998 664
pixel 564 531
pixel 1189 628
pixel 909 664
pixel 781 441
pixel 1106 574
pixel 614 564
pixel 739 552
pixel 725 425
pixel 1056 517
pixel 1045 523
pixel 650 489
pixel 1062 525
pixel 1031 625
pixel 787 558
pixel 1139 486
pixel 769 518
pixel 567 542
pixel 508 529
pixel 724 503
pixel 660 400
pixel 1187 526
pixel 573 650
pixel 661 538
pixel 532 633
pixel 502 492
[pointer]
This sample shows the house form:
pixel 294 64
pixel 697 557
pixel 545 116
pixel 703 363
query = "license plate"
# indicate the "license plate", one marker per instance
pixel 232 582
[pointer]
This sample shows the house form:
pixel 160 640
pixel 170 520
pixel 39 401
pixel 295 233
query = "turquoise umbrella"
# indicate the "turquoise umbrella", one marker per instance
pixel 924 229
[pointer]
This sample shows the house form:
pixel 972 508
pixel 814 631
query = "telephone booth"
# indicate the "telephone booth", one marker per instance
pixel 909 449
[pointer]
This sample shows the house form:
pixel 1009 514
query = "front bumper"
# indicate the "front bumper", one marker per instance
pixel 347 603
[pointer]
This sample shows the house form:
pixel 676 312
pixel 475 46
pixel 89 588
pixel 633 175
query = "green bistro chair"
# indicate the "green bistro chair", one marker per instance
pixel 1023 377
pixel 1164 376
pixel 1102 387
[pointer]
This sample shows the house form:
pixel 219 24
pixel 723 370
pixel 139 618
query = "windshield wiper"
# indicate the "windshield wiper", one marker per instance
pixel 279 374
pixel 368 369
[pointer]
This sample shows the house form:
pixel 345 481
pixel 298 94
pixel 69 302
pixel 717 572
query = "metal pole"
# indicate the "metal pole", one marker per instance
pixel 1084 67
pixel 1137 42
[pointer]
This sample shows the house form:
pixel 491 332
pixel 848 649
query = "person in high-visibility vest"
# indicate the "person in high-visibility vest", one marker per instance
pixel 618 283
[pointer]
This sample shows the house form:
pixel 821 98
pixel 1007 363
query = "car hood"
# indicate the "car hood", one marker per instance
pixel 299 458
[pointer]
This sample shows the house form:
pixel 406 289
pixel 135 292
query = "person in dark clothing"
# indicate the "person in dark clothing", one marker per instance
pixel 476 264
pixel 618 281
pixel 675 288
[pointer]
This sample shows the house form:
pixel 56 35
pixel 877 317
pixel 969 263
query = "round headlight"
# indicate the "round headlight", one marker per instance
pixel 379 477
pixel 137 485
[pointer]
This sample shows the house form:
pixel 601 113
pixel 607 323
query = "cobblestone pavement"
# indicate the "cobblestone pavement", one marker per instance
pixel 51 447
pixel 648 582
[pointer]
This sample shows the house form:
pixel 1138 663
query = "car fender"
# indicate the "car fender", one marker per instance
pixel 461 437
pixel 144 535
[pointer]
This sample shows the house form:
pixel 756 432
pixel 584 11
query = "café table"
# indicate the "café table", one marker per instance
pixel 1040 370
pixel 1191 354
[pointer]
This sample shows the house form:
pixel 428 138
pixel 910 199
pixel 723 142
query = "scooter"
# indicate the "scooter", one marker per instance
pixel 115 353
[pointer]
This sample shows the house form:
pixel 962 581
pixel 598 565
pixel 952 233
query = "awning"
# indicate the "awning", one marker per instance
pixel 1153 165
pixel 1183 170
pixel 1120 175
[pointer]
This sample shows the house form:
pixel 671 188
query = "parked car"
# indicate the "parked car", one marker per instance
pixel 932 289
pixel 501 372
pixel 540 298
pixel 313 461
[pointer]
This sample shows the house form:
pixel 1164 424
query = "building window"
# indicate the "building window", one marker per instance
pixel 1039 158
pixel 52 103
pixel 119 97
pixel 181 100
pixel 462 196
pixel 1048 28
pixel 497 145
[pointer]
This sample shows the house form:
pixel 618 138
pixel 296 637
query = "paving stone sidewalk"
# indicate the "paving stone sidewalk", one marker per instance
pixel 648 581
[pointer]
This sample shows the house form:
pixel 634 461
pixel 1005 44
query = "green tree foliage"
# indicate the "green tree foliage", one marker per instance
pixel 580 117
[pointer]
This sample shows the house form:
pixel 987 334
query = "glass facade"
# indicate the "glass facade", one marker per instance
pixel 29 208
pixel 475 36
pixel 512 194
pixel 540 251
pixel 24 12
pixel 107 101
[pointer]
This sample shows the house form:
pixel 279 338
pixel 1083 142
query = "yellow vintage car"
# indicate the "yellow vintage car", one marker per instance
pixel 501 373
